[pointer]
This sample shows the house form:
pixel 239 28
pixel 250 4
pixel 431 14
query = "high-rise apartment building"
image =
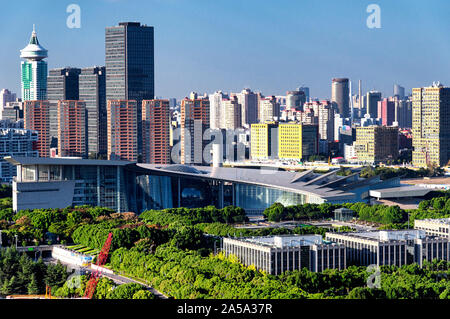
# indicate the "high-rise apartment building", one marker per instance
pixel 403 112
pixel 156 131
pixel 376 144
pixel 231 118
pixel 340 96
pixel 122 130
pixel 297 141
pixel 431 125
pixel 92 88
pixel 269 109
pixel 249 106
pixel 37 118
pixel 195 120
pixel 130 71
pixel 34 70
pixel 264 141
pixel 216 109
pixel 72 129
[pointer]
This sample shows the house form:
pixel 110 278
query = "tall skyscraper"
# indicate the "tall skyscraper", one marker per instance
pixel 269 109
pixel 249 106
pixel 92 85
pixel 194 122
pixel 156 131
pixel 36 118
pixel 305 90
pixel 34 70
pixel 62 85
pixel 232 113
pixel 72 128
pixel 340 96
pixel 431 125
pixel 326 121
pixel 130 73
pixel 371 103
pixel 264 141
pixel 386 111
pixel 122 130
pixel 399 91
pixel 216 114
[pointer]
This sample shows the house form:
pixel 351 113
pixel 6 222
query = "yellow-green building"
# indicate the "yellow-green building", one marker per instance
pixel 263 140
pixel 297 141
pixel 431 125
pixel 376 144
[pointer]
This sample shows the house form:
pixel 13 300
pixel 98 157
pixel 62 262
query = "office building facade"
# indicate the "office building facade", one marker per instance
pixel 297 141
pixel 92 90
pixel 431 125
pixel 275 255
pixel 264 141
pixel 434 227
pixel 376 144
pixel 393 248
pixel 130 65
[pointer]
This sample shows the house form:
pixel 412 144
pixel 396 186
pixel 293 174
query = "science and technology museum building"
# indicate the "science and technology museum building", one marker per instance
pixel 134 187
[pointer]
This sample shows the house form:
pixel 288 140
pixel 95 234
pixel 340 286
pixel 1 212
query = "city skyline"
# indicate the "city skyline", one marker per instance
pixel 244 59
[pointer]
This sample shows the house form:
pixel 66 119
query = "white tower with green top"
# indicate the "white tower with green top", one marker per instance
pixel 34 70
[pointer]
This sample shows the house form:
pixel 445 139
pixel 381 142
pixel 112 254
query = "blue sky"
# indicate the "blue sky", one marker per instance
pixel 270 46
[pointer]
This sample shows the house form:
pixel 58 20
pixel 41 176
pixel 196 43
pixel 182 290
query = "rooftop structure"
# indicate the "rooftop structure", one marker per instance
pixel 277 254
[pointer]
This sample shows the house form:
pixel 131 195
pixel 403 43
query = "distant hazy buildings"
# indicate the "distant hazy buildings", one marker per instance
pixel 431 125
pixel 295 100
pixel 122 130
pixel 5 97
pixel 340 96
pixel 156 132
pixel 34 70
pixel 399 91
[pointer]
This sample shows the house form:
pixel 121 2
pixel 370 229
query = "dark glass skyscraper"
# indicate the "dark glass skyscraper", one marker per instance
pixel 130 73
pixel 62 85
pixel 93 92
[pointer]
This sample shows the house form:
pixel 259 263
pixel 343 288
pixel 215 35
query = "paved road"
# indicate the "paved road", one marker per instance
pixel 118 279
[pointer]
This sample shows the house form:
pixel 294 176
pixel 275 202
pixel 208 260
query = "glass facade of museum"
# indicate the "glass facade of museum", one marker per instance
pixel 159 192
